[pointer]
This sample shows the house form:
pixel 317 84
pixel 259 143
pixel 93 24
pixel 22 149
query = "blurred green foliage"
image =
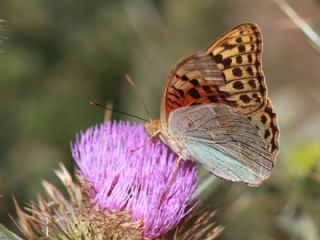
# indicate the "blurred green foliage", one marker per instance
pixel 59 55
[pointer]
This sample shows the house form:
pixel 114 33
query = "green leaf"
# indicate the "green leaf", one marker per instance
pixel 5 234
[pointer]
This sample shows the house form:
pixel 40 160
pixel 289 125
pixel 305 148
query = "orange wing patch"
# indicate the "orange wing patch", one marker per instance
pixel 194 80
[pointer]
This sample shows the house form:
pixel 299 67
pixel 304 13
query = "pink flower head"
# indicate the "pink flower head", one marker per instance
pixel 134 181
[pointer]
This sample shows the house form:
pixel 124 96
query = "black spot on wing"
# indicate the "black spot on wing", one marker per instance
pixel 218 58
pixel 238 85
pixel 212 99
pixel 194 93
pixel 239 40
pixel 242 48
pixel 227 46
pixel 194 82
pixel 250 71
pixel 239 59
pixel 207 89
pixel 184 78
pixel 266 133
pixel 245 98
pixel 181 92
pixel 252 83
pixel 227 62
pixel 237 72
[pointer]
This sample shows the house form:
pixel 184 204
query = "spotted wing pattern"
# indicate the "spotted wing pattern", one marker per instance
pixel 238 55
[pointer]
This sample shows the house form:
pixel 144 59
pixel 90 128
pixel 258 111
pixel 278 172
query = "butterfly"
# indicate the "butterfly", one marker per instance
pixel 215 109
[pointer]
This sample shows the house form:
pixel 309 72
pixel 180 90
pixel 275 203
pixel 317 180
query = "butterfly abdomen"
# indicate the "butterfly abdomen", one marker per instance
pixel 153 126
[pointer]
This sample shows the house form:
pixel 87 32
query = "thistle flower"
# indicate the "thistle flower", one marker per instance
pixel 117 193
pixel 74 217
pixel 125 179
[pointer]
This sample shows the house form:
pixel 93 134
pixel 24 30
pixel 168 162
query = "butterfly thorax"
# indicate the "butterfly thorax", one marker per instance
pixel 176 142
pixel 153 126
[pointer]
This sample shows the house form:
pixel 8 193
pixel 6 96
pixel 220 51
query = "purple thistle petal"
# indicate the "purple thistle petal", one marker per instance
pixel 134 181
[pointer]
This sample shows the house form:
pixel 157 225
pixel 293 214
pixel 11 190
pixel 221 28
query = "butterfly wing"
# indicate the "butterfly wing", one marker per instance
pixel 238 54
pixel 222 141
pixel 228 72
pixel 194 80
pixel 266 122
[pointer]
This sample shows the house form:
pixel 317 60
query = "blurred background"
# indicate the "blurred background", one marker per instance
pixel 58 55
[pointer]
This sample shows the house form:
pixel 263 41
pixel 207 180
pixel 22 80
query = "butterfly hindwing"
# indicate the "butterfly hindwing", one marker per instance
pixel 222 140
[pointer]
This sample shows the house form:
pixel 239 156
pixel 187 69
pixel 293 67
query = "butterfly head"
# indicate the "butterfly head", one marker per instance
pixel 152 126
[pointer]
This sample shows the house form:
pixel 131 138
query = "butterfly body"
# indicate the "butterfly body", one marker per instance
pixel 215 109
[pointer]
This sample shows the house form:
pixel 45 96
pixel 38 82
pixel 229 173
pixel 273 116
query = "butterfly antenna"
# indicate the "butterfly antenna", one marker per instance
pixel 117 111
pixel 129 79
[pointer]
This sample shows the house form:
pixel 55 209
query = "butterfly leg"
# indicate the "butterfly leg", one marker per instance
pixel 172 177
pixel 146 142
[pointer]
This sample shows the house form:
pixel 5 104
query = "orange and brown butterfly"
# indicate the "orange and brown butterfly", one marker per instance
pixel 215 109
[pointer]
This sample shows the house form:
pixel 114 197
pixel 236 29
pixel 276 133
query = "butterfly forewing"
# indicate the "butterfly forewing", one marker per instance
pixel 267 124
pixel 194 80
pixel 238 55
